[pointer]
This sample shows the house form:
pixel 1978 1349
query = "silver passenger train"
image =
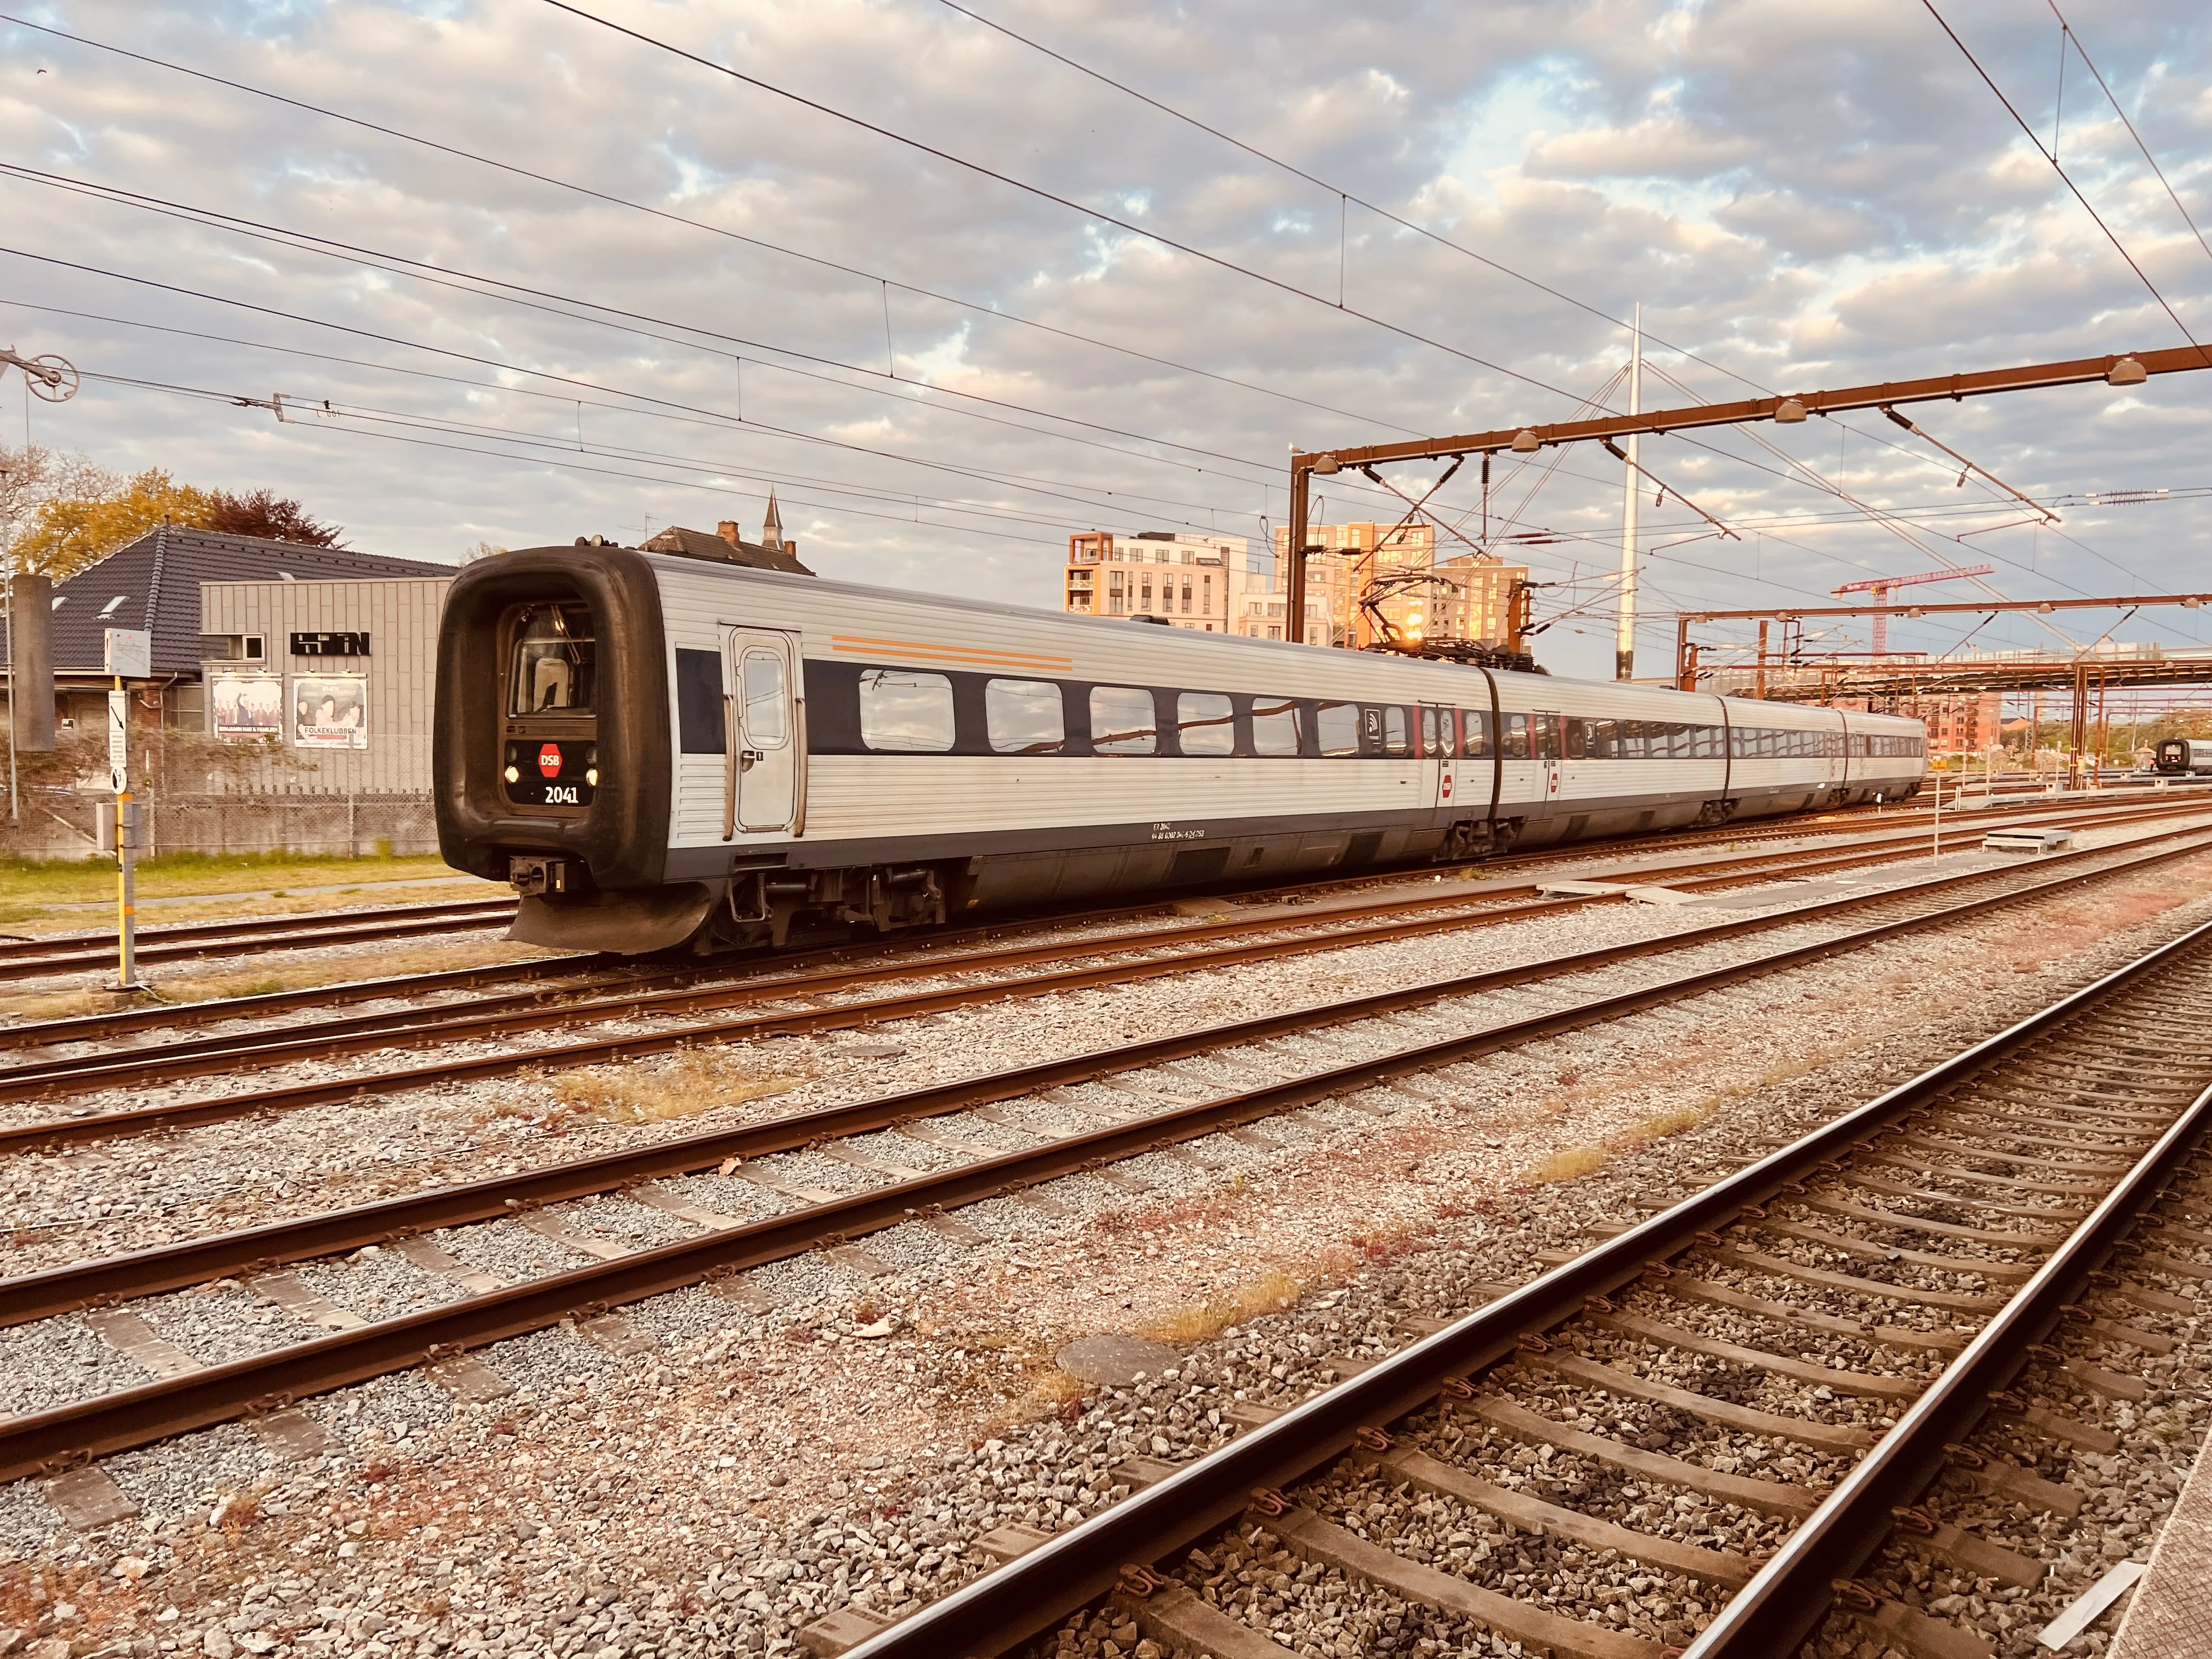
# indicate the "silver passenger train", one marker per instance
pixel 660 751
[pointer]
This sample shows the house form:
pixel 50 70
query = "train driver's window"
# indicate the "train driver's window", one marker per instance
pixel 1206 723
pixel 903 711
pixel 554 658
pixel 1024 717
pixel 1516 736
pixel 1397 732
pixel 1274 725
pixel 699 701
pixel 767 726
pixel 1122 721
pixel 1474 733
pixel 1339 728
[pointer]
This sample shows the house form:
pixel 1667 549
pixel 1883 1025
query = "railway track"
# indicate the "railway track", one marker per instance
pixel 1998 1222
pixel 40 959
pixel 1085 1112
pixel 985 974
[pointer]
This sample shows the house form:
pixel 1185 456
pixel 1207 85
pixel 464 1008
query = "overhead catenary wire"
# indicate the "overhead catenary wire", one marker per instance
pixel 1130 227
pixel 2068 37
pixel 974 306
pixel 2111 235
pixel 535 298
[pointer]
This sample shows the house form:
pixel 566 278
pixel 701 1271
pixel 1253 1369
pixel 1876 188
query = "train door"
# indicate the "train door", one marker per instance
pixel 760 770
pixel 1437 751
pixel 1549 739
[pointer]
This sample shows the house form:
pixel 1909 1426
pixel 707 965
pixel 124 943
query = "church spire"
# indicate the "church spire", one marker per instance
pixel 772 526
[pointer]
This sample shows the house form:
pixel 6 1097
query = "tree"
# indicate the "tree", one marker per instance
pixel 66 533
pixel 272 517
pixel 34 475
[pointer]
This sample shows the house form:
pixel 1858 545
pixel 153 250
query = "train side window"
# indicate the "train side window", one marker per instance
pixel 1629 743
pixel 1547 737
pixel 1474 739
pixel 1516 736
pixel 1602 744
pixel 1337 725
pixel 1574 737
pixel 1433 742
pixel 1122 721
pixel 1397 732
pixel 1274 725
pixel 903 711
pixel 699 703
pixel 767 726
pixel 1024 717
pixel 1206 723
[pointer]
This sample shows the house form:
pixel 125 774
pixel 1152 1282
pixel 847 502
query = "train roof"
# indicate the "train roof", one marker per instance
pixel 1423 678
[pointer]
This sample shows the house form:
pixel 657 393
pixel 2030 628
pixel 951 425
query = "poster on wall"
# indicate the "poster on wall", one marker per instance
pixel 246 708
pixel 330 711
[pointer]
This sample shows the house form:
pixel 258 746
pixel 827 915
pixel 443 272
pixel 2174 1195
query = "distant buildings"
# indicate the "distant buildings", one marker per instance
pixel 1215 583
pixel 1203 582
pixel 1466 597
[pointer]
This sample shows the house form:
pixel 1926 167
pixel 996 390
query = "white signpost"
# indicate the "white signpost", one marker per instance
pixel 130 656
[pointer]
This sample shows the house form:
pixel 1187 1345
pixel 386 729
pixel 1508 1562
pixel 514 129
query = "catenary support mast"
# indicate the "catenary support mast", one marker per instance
pixel 1624 639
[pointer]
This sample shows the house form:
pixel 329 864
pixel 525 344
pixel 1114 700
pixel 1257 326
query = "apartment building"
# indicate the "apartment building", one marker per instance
pixel 1189 579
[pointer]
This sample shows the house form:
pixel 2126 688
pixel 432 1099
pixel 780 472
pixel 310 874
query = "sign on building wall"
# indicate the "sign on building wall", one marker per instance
pixel 246 708
pixel 330 645
pixel 330 711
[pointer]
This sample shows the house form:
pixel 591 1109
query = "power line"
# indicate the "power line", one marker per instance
pixel 717 423
pixel 2066 37
pixel 1043 194
pixel 973 306
pixel 2063 175
pixel 550 302
pixel 1337 190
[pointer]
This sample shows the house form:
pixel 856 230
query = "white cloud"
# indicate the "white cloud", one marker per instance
pixel 1800 194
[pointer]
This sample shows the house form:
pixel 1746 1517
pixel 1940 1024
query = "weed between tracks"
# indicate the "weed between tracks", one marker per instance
pixel 659 1090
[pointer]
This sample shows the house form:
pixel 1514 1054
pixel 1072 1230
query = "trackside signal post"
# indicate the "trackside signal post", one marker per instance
pixel 130 656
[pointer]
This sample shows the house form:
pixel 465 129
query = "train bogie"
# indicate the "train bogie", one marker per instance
pixel 660 751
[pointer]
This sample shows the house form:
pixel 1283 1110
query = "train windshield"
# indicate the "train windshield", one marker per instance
pixel 555 661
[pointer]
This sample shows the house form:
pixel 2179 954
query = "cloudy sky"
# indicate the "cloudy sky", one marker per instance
pixel 555 279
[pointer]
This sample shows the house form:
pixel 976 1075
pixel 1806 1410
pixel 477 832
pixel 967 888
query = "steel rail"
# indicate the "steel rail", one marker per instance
pixel 102 1126
pixel 155 1410
pixel 496 914
pixel 167 1015
pixel 675 992
pixel 1786 1601
pixel 1028 1595
pixel 93 1027
pixel 179 931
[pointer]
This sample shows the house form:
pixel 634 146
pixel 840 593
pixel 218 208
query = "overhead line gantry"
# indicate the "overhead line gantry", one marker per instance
pixel 2119 369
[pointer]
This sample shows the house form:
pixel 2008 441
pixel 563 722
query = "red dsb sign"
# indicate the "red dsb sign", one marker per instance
pixel 548 760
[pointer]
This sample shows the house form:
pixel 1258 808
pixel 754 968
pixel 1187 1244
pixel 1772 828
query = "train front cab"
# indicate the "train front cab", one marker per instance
pixel 551 748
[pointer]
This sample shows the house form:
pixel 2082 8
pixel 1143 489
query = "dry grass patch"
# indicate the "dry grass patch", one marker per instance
pixel 1569 1164
pixel 1195 1322
pixel 678 1086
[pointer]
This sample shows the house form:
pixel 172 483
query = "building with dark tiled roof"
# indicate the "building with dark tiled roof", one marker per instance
pixel 158 582
pixel 770 552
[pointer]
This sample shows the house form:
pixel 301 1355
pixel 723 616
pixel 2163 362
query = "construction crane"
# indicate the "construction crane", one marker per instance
pixel 1880 587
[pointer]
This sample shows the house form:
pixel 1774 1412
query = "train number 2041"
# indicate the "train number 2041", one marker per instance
pixel 561 794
